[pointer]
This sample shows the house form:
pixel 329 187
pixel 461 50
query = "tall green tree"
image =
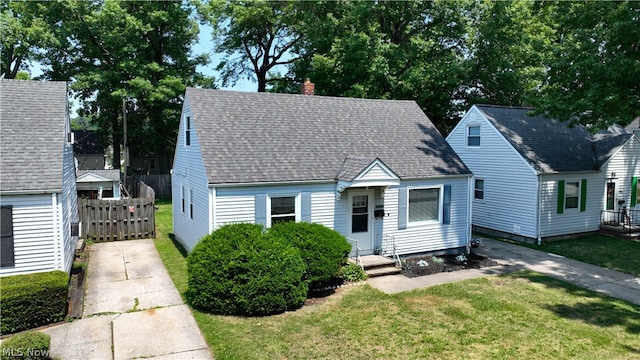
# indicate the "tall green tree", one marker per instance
pixel 255 36
pixel 24 36
pixel 137 51
pixel 592 77
pixel 508 47
pixel 390 50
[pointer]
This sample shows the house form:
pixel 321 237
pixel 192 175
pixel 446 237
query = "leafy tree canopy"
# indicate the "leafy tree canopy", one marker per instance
pixel 593 72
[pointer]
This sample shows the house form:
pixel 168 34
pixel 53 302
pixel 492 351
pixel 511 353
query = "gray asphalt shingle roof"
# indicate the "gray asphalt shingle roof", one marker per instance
pixel 264 137
pixel 550 145
pixel 32 128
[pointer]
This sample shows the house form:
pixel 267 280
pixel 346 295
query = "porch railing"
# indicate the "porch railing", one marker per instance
pixel 355 250
pixel 389 249
pixel 625 218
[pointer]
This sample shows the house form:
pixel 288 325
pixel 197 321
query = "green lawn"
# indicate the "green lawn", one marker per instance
pixel 519 316
pixel 610 252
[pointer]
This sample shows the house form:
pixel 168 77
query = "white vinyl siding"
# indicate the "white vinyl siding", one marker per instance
pixel 323 208
pixel 570 221
pixel 68 210
pixel 188 171
pixel 626 165
pixel 34 228
pixel 510 191
pixel 427 236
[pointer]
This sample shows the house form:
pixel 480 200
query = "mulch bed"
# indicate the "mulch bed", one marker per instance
pixel 426 265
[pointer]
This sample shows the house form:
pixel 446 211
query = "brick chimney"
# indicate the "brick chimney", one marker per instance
pixel 308 88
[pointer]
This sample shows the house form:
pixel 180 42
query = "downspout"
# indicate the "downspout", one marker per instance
pixel 212 209
pixel 538 215
pixel 469 210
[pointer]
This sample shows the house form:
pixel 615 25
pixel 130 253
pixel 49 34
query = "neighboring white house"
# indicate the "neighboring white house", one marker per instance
pixel 37 178
pixel 374 170
pixel 538 178
pixel 98 184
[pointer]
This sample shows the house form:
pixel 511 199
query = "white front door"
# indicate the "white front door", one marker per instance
pixel 361 219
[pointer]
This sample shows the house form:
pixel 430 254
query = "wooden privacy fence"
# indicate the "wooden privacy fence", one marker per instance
pixel 161 184
pixel 111 220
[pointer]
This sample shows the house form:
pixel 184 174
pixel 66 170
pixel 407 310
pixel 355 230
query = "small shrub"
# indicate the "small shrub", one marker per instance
pixel 32 300
pixel 28 345
pixel 239 270
pixel 323 250
pixel 78 267
pixel 352 272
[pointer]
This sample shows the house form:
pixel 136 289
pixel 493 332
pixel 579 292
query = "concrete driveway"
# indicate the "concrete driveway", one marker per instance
pixel 131 310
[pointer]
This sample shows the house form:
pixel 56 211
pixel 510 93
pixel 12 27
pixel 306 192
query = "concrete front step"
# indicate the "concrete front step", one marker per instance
pixel 371 261
pixel 383 271
pixel 376 265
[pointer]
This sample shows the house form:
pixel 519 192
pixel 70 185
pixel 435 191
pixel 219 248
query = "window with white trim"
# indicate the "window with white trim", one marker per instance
pixel 184 196
pixel 283 208
pixel 187 131
pixel 478 191
pixel 473 135
pixel 571 195
pixel 191 203
pixel 424 205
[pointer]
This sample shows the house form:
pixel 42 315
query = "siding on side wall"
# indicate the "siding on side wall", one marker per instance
pixel 188 170
pixel 510 183
pixel 431 237
pixel 237 204
pixel 33 229
pixel 322 208
pixel 571 221
pixel 69 208
pixel 626 164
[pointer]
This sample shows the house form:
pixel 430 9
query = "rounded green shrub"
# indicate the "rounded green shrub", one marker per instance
pixel 27 345
pixel 31 300
pixel 240 270
pixel 323 250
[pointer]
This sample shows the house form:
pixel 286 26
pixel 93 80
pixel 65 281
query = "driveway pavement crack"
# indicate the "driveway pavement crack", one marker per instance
pixel 124 261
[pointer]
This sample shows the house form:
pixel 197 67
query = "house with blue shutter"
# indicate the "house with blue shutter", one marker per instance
pixel 377 171
pixel 38 201
pixel 538 178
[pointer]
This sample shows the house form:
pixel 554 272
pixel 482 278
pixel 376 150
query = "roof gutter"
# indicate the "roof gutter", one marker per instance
pixel 31 192
pixel 327 181
pixel 271 183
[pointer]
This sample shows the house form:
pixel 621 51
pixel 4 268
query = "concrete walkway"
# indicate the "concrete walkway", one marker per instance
pixel 131 310
pixel 513 258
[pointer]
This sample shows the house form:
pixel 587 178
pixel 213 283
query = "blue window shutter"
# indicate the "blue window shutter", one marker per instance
pixel 446 205
pixel 560 209
pixel 306 206
pixel 583 195
pixel 261 209
pixel 634 191
pixel 402 208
